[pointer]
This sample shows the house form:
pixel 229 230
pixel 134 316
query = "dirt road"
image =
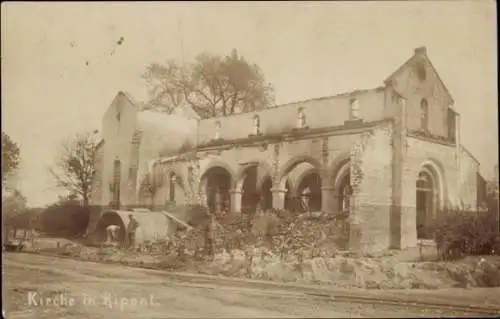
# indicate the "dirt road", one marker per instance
pixel 38 286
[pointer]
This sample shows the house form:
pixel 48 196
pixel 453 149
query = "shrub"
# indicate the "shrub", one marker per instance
pixel 465 233
pixel 65 219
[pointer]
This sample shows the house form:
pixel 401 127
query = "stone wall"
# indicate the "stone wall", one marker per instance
pixel 97 189
pixel 468 183
pixel 414 89
pixel 96 193
pixel 181 184
pixel 440 156
pixel 289 157
pixel 371 182
pixel 118 134
pixel 321 112
pixel 136 139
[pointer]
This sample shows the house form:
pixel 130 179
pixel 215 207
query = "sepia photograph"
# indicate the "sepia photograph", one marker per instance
pixel 295 159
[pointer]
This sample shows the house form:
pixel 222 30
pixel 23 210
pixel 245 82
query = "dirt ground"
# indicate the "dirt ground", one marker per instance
pixel 96 290
pixel 391 270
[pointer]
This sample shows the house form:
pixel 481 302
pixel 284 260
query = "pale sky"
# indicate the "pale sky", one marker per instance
pixel 306 50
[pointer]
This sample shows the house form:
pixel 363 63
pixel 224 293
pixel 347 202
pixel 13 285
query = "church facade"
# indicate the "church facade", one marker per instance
pixel 390 158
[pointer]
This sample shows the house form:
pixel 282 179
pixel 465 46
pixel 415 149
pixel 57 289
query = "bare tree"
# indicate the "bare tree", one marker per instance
pixel 75 167
pixel 167 85
pixel 213 85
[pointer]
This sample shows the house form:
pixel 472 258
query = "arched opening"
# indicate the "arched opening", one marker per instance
pixel 309 190
pixel 427 202
pixel 353 109
pixel 256 125
pixel 250 196
pixel 341 181
pixel 302 180
pixel 255 183
pixel 218 128
pixel 109 218
pixel 301 118
pixel 172 179
pixel 217 181
pixel 345 193
pixel 424 114
pixel 115 188
pixel 152 226
pixel 266 194
pixel 291 202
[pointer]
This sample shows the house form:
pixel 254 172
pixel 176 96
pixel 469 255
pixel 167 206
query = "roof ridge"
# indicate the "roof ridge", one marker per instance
pixel 420 52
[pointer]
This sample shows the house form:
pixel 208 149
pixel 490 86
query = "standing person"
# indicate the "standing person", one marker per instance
pixel 131 229
pixel 305 199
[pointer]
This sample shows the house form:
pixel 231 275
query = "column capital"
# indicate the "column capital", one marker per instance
pixel 327 188
pixel 279 190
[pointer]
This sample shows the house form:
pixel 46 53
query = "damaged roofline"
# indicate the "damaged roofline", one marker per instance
pixel 340 95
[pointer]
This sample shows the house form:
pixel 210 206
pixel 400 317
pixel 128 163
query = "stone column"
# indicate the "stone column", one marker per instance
pixel 328 200
pixel 217 201
pixel 235 198
pixel 278 198
pixel 202 193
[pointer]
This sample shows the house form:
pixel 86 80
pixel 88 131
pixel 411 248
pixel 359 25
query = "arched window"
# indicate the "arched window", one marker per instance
pixel 301 118
pixel 423 181
pixel 353 109
pixel 256 125
pixel 426 203
pixel 345 195
pixel 218 128
pixel 116 183
pixel 171 187
pixel 424 114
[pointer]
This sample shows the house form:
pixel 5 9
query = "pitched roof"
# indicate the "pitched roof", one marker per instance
pixel 130 98
pixel 469 153
pixel 164 132
pixel 420 52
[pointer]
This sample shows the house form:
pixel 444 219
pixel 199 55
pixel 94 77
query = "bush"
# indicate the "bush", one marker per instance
pixel 466 233
pixel 65 219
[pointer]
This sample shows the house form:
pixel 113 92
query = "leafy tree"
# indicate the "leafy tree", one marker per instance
pixel 10 157
pixel 213 85
pixel 14 204
pixel 75 168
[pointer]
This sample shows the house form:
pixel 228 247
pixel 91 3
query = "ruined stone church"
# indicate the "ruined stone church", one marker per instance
pixel 389 157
